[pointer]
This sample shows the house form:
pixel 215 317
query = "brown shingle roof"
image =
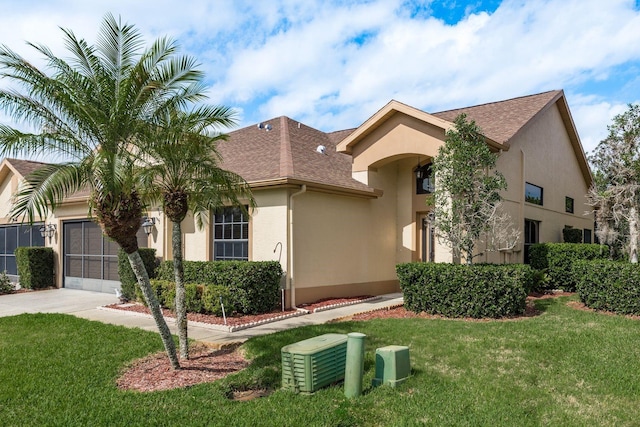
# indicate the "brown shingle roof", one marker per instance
pixel 25 167
pixel 501 120
pixel 282 148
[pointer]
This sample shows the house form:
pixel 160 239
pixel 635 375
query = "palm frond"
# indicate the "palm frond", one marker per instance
pixel 44 189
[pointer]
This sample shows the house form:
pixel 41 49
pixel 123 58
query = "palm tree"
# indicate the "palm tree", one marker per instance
pixel 94 109
pixel 182 173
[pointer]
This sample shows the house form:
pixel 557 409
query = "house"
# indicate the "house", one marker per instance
pixel 339 210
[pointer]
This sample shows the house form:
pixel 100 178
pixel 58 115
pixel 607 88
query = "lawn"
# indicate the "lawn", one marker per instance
pixel 565 367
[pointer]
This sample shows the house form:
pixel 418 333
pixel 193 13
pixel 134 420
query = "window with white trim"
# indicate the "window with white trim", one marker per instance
pixel 230 235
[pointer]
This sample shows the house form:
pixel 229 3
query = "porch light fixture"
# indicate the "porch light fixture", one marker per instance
pixel 47 230
pixel 148 223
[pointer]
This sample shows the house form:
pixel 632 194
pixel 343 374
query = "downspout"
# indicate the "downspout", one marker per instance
pixel 522 196
pixel 290 277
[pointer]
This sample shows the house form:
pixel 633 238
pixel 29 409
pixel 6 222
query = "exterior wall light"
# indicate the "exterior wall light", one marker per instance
pixel 148 224
pixel 47 230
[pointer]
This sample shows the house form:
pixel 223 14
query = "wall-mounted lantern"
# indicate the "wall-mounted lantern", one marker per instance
pixel 47 230
pixel 148 224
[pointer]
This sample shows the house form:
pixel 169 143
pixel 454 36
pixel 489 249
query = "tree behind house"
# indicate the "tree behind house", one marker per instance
pixel 615 193
pixel 467 192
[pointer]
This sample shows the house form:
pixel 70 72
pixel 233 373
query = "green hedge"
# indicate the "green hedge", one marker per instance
pixel 557 260
pixel 609 285
pixel 35 267
pixel 478 291
pixel 254 287
pixel 128 281
pixel 572 235
pixel 199 298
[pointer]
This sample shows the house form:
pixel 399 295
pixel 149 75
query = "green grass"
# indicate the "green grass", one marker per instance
pixel 563 368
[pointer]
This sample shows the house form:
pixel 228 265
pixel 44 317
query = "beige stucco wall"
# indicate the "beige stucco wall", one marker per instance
pixel 542 155
pixel 397 138
pixel 268 226
pixel 7 187
pixel 342 240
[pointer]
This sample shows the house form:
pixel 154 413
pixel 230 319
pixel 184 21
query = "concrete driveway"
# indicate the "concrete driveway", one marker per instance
pixel 69 301
pixel 85 304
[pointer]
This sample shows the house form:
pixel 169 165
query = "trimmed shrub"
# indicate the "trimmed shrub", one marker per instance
pixel 161 288
pixel 609 285
pixel 35 267
pixel 254 286
pixel 128 281
pixel 557 260
pixel 479 291
pixel 193 296
pixel 6 287
pixel 572 235
pixel 211 296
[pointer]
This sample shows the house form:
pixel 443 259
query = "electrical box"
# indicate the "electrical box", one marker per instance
pixel 314 363
pixel 392 365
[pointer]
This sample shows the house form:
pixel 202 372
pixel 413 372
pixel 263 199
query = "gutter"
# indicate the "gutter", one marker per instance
pixel 290 251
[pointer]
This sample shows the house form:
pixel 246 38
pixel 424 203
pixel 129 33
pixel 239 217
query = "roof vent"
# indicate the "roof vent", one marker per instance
pixel 321 149
pixel 268 127
pixel 260 125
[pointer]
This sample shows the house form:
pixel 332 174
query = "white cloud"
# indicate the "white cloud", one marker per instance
pixel 592 117
pixel 332 64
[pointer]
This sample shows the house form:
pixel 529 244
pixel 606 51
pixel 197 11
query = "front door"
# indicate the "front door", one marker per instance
pixel 428 239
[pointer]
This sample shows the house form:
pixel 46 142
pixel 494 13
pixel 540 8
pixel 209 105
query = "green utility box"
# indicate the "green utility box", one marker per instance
pixel 314 363
pixel 392 365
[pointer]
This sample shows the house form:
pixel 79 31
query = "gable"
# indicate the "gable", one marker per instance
pixel 399 136
pixel 398 130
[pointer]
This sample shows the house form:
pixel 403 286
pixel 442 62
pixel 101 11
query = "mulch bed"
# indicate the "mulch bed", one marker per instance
pixel 241 319
pixel 205 365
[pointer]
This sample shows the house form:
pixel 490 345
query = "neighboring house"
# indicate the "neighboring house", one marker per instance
pixel 339 210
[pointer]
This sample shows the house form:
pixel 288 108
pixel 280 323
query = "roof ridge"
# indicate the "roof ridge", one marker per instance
pixel 286 157
pixel 497 102
pixel 13 159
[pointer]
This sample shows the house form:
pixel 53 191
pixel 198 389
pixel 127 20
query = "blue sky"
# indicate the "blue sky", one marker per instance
pixel 332 64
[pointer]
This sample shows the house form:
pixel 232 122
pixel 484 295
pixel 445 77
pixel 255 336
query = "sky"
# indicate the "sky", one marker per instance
pixel 333 64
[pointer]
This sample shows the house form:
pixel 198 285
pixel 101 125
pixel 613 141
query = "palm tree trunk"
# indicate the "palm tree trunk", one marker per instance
pixel 178 271
pixel 152 302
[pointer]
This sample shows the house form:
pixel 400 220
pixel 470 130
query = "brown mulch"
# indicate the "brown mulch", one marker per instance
pixel 205 365
pixel 154 372
pixel 578 305
pixel 232 319
pixel 239 319
pixel 402 313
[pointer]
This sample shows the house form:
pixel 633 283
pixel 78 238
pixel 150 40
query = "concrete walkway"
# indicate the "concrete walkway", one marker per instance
pixel 85 304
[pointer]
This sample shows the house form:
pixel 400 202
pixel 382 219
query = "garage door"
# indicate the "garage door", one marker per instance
pixel 90 259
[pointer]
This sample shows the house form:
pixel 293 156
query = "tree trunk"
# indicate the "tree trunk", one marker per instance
pixel 178 271
pixel 633 236
pixel 152 302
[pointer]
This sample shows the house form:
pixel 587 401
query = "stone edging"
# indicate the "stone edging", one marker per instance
pixel 350 316
pixel 213 326
pixel 344 304
pixel 234 328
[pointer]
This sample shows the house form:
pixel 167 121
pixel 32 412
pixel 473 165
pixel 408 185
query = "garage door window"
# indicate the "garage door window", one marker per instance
pixel 89 254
